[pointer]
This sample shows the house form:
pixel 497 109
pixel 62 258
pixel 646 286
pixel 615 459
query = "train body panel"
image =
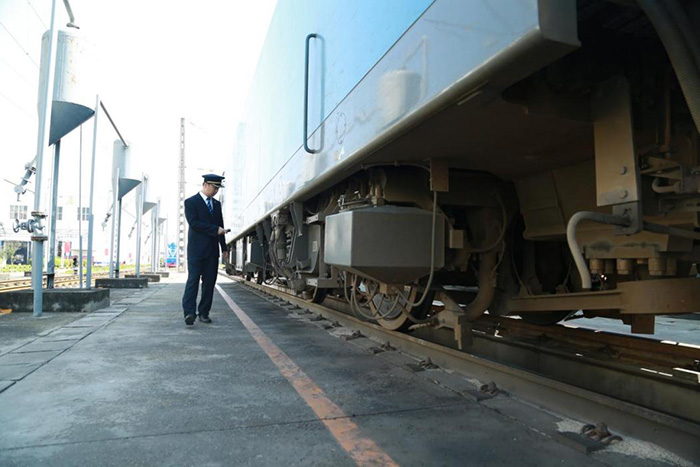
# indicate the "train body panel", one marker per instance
pixel 453 49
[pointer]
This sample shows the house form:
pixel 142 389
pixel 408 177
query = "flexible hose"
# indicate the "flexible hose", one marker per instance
pixel 378 314
pixel 504 222
pixel 345 292
pixel 391 310
pixel 678 51
pixel 656 186
pixel 432 260
pixel 574 247
pixel 357 308
pixel 610 219
pixel 487 288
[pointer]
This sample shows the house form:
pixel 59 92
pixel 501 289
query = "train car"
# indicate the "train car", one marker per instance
pixel 430 161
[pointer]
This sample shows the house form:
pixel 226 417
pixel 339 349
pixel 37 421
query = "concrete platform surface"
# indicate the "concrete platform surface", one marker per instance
pixel 132 385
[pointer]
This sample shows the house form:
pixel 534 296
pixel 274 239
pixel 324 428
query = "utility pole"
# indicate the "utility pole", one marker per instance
pixel 139 221
pixel 181 238
pixel 91 209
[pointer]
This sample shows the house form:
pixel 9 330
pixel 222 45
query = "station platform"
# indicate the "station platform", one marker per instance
pixel 261 385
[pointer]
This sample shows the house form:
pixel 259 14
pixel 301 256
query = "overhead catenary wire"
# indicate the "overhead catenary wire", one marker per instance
pixel 27 114
pixel 31 83
pixel 19 44
pixel 37 14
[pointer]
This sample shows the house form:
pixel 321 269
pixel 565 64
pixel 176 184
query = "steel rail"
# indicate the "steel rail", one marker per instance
pixel 59 281
pixel 672 431
pixel 633 350
pixel 25 283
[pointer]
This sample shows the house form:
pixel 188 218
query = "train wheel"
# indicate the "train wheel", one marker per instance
pixel 395 317
pixel 388 310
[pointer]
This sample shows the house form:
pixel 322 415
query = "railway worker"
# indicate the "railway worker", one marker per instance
pixel 206 233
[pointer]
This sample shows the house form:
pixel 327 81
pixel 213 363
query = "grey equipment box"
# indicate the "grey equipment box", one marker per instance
pixel 390 244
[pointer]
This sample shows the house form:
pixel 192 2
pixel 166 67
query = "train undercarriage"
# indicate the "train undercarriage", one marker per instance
pixel 575 189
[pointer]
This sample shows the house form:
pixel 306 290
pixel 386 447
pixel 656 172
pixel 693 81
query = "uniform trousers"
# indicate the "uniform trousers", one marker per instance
pixel 206 270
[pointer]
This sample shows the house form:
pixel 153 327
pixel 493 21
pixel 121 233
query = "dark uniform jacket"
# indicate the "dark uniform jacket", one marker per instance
pixel 202 239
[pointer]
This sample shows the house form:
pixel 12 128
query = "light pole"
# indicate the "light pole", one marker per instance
pixel 45 104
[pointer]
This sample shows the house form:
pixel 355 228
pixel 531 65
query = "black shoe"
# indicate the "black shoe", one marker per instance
pixel 204 319
pixel 189 319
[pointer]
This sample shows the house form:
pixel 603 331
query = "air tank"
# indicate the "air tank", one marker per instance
pixel 121 163
pixel 74 87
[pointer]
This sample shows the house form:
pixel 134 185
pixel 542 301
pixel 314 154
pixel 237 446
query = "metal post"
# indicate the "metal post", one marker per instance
pixel 80 208
pixel 181 232
pixel 80 260
pixel 115 198
pixel 43 137
pixel 164 243
pixel 139 214
pixel 119 236
pixel 157 245
pixel 91 217
pixel 51 267
pixel 156 240
pixel 154 235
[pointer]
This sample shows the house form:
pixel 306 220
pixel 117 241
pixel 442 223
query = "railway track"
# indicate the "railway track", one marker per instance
pixel 59 282
pixel 22 284
pixel 641 387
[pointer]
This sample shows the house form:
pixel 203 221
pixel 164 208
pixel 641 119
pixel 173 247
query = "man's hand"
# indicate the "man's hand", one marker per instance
pixel 221 231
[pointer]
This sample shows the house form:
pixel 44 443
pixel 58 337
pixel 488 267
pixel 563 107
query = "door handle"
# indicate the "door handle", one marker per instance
pixel 306 95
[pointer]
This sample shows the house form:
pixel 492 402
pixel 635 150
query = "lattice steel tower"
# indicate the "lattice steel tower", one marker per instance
pixel 181 234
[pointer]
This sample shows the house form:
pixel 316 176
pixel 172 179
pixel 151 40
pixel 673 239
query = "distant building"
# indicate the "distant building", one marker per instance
pixel 70 219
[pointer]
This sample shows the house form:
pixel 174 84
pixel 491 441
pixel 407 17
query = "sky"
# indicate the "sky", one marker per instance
pixel 156 61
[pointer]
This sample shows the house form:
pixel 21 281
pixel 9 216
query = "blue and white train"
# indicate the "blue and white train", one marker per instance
pixel 529 157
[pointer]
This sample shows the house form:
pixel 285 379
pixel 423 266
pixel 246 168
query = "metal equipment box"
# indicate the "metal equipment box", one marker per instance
pixel 390 244
pixel 254 255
